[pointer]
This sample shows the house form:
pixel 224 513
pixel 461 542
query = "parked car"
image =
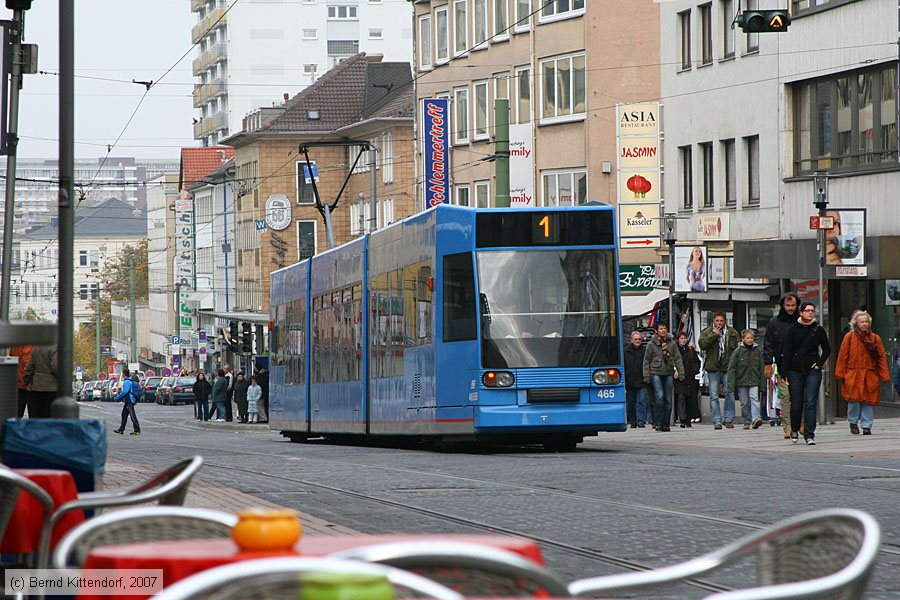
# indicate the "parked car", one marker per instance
pixel 104 391
pixel 181 390
pixel 163 389
pixel 150 384
pixel 80 390
pixel 97 390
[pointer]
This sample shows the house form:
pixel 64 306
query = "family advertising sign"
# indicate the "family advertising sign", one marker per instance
pixel 436 150
pixel 521 165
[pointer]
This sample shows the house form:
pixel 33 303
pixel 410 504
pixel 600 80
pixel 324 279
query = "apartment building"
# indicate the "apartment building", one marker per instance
pixel 161 194
pixel 251 53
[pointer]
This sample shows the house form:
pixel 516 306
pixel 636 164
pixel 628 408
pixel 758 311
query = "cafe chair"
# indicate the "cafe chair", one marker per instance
pixel 168 488
pixel 279 578
pixel 470 569
pixel 820 554
pixel 143 524
pixel 11 485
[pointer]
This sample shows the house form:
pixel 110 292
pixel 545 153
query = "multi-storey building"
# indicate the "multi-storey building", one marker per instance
pixel 749 119
pixel 161 194
pixel 251 53
pixel 120 316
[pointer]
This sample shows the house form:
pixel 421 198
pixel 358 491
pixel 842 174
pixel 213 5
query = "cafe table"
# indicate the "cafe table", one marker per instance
pixel 23 532
pixel 183 558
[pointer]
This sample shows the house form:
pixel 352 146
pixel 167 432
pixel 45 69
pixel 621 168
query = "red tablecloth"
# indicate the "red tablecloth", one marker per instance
pixel 23 534
pixel 182 559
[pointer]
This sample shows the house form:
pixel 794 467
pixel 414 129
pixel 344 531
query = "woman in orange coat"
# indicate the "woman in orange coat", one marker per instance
pixel 861 363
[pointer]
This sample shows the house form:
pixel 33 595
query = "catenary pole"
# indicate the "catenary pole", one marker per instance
pixel 820 200
pixel 133 309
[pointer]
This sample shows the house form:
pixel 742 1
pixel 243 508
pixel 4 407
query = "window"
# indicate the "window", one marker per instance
pixel 310 70
pixel 442 33
pixel 846 122
pixel 82 258
pixel 565 188
pixel 730 171
pixel 305 193
pixel 482 118
pixel 480 24
pixel 563 87
pixel 501 86
pixel 752 147
pixel 461 115
pixel 306 239
pixel 706 152
pixel 460 27
pixel 387 157
pixel 559 9
pixel 705 34
pixel 687 189
pixel 425 42
pixel 523 94
pixel 483 194
pixel 461 195
pixel 684 39
pixel 459 298
pixel 343 47
pixel 752 38
pixel 310 34
pixel 523 15
pixel 376 34
pixel 801 5
pixel 727 31
pixel 501 19
pixel 86 291
pixel 342 13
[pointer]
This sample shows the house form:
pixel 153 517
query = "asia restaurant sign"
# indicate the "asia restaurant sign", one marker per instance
pixel 638 173
pixel 436 150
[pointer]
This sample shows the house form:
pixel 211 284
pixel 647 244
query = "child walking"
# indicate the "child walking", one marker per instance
pixel 254 393
pixel 746 374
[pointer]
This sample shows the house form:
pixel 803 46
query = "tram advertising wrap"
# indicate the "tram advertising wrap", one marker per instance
pixel 455 324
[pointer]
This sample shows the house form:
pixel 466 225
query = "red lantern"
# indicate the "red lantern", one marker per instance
pixel 639 185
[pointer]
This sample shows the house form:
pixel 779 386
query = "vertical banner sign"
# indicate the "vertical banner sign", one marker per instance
pixel 184 243
pixel 638 167
pixel 521 165
pixel 436 150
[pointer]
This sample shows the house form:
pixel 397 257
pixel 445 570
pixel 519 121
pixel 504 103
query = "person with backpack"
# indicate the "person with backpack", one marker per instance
pixel 128 398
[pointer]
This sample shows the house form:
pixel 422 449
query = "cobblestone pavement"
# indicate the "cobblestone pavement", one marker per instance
pixel 647 497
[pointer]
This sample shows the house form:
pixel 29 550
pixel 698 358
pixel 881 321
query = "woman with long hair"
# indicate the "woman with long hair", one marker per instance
pixel 696 270
pixel 861 363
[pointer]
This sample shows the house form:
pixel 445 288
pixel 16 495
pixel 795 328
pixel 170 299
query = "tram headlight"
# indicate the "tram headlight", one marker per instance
pixel 498 379
pixel 606 376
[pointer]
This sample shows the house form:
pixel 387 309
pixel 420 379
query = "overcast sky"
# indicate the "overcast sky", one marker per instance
pixel 117 40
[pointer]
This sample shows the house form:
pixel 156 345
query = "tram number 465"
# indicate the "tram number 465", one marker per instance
pixel 606 393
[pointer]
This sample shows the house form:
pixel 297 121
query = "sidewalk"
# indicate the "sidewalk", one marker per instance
pixel 203 493
pixel 833 439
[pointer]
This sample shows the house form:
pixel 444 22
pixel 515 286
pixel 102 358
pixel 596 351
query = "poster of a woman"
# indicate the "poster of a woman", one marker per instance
pixel 691 269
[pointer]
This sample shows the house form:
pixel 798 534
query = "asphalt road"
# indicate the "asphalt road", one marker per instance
pixel 621 501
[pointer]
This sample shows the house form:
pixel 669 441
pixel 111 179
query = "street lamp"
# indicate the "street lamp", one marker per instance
pixel 669 237
pixel 820 201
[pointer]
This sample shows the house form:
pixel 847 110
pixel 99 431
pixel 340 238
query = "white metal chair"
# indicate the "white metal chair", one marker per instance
pixel 280 578
pixel 11 485
pixel 143 524
pixel 470 569
pixel 820 554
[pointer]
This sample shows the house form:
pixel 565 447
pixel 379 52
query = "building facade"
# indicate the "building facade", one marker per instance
pixel 120 315
pixel 251 53
pixel 161 194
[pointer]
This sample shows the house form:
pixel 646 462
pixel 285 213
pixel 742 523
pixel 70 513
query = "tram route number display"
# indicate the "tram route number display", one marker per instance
pixel 538 228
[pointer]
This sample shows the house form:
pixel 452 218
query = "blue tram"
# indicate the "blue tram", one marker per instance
pixel 454 324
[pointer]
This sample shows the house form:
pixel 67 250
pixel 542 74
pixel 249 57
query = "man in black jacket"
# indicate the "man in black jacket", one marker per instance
pixel 773 344
pixel 635 388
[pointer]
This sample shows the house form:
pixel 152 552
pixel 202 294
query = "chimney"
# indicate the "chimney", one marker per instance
pixel 287 96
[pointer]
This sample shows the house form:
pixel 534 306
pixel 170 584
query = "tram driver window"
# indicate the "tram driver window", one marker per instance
pixel 459 298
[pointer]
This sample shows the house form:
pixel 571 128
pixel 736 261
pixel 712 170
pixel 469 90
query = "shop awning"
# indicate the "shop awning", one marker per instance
pixel 635 306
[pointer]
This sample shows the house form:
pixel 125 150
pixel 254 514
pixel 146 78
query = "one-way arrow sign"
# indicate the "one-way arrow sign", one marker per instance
pixel 640 242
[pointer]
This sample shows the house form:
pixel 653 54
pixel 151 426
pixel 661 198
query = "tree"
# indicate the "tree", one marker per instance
pixel 115 286
pixel 84 351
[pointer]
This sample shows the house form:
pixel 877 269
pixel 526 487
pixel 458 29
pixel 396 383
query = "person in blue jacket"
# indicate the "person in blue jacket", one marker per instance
pixel 128 401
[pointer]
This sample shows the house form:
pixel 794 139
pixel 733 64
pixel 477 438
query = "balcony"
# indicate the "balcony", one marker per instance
pixel 217 88
pixel 215 18
pixel 197 5
pixel 210 124
pixel 208 59
pixel 197 65
pixel 201 94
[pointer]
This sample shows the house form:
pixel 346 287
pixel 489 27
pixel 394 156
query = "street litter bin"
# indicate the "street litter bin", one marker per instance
pixel 77 446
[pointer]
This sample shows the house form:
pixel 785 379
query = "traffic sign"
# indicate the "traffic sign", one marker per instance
pixel 640 242
pixel 79 375
pixel 817 222
pixel 121 357
pixel 101 376
pixel 166 372
pixel 149 373
pixel 176 360
pixel 176 340
pixel 79 369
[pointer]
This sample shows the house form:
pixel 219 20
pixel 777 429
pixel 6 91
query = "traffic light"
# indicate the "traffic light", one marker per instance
pixel 233 334
pixel 764 21
pixel 246 338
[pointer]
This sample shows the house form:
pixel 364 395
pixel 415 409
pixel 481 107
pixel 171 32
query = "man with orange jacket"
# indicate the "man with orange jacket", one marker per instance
pixel 24 354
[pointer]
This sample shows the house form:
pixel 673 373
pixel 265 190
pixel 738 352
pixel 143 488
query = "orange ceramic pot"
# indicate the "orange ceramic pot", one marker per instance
pixel 267 530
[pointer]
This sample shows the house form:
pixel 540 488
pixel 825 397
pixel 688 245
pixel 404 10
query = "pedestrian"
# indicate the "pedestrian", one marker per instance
pixel 23 353
pixel 128 398
pixel 635 388
pixel 220 394
pixel 254 393
pixel 805 350
pixel 747 376
pixel 229 377
pixel 687 389
pixel 861 363
pixel 240 396
pixel 262 378
pixel 202 390
pixel 718 342
pixel 773 344
pixel 662 366
pixel 40 381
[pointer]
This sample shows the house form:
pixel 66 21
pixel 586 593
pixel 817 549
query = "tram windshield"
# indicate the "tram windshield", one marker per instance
pixel 548 308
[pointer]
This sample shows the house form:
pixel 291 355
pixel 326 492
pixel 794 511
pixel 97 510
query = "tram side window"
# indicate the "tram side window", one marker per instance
pixel 296 342
pixel 459 298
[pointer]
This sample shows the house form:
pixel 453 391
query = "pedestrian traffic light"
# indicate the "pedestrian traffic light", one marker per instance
pixel 233 334
pixel 246 338
pixel 764 21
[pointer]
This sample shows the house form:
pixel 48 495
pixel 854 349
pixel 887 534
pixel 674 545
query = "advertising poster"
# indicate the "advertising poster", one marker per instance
pixel 845 243
pixel 892 292
pixel 521 165
pixel 691 269
pixel 436 150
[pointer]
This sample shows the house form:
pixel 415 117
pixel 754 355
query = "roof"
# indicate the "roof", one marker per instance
pixel 357 89
pixel 111 218
pixel 197 163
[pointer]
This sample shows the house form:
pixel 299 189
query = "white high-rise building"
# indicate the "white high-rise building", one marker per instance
pixel 255 54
